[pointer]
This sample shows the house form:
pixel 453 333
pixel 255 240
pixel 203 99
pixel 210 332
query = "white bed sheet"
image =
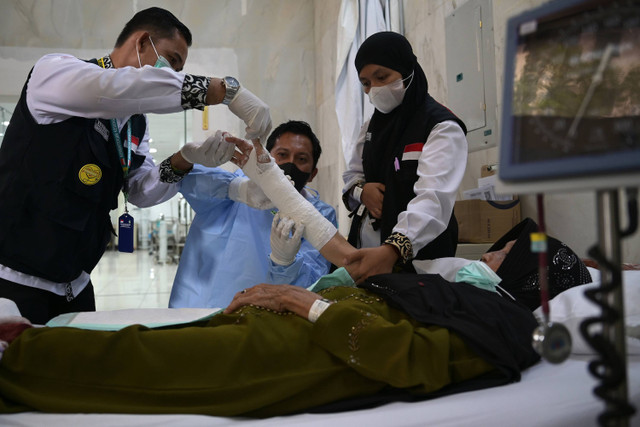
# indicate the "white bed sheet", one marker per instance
pixel 548 395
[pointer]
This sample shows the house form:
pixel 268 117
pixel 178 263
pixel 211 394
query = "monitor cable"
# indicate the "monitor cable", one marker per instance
pixel 609 367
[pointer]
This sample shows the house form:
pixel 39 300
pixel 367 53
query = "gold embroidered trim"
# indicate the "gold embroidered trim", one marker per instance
pixel 403 244
pixel 353 337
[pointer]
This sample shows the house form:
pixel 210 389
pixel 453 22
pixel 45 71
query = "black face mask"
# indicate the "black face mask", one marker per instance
pixel 299 178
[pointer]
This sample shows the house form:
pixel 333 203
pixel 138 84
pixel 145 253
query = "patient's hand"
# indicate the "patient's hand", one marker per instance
pixel 242 150
pixel 246 147
pixel 366 262
pixel 275 297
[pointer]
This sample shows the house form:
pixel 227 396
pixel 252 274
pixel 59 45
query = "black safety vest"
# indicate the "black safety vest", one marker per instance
pixel 58 183
pixel 399 186
pixel 401 176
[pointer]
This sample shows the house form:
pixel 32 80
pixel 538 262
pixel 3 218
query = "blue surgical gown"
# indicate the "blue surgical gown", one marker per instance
pixel 228 246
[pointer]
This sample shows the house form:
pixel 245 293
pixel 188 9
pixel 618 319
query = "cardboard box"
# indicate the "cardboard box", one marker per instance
pixel 481 221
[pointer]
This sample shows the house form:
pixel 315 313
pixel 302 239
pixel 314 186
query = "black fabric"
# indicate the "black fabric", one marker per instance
pixel 54 226
pixel 389 134
pixel 40 306
pixel 519 270
pixel 389 49
pixel 497 329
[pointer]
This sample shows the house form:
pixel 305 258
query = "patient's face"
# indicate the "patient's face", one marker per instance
pixel 494 259
pixel 296 149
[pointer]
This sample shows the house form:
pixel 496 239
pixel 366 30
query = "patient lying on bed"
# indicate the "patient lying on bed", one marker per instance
pixel 275 351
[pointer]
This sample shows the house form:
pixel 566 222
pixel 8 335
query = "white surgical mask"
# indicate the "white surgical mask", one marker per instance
pixel 160 62
pixel 386 98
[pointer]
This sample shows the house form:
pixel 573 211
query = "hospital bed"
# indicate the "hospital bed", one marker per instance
pixel 547 395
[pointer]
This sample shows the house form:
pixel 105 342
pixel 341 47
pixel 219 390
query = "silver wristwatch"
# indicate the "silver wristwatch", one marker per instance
pixel 231 86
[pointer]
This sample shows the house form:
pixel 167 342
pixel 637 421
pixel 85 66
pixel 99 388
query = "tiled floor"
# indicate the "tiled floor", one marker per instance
pixel 132 280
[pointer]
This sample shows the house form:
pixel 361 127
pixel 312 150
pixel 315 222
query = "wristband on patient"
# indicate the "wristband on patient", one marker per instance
pixel 317 308
pixel 277 187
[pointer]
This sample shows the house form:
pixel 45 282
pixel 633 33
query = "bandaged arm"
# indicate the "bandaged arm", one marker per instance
pixel 318 230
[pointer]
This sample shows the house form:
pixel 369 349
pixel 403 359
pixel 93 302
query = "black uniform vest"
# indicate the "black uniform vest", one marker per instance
pixel 400 180
pixel 58 183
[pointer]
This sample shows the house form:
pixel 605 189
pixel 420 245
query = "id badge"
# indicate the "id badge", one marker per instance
pixel 125 233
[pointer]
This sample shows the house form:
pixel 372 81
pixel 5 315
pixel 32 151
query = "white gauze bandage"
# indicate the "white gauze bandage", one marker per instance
pixel 277 187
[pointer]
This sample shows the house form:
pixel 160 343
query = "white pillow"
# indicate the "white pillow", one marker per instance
pixel 571 307
pixel 8 308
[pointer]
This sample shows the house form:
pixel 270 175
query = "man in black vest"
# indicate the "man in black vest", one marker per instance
pixel 78 137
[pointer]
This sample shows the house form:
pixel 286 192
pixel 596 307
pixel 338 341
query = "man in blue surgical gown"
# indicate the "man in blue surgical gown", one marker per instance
pixel 237 238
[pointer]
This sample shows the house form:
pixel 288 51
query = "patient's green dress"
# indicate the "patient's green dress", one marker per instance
pixel 253 362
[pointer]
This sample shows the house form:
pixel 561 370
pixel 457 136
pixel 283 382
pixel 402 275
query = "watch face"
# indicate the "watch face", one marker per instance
pixel 231 82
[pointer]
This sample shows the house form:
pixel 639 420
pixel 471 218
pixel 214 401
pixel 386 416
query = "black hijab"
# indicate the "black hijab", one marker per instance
pixel 391 50
pixel 519 270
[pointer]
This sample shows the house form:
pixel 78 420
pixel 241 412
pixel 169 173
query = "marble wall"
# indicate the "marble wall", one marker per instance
pixel 331 165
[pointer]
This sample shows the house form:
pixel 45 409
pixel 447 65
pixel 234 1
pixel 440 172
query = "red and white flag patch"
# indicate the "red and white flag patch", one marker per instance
pixel 412 151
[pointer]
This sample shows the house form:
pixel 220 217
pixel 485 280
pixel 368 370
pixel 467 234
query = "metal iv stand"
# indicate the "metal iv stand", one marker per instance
pixel 610 344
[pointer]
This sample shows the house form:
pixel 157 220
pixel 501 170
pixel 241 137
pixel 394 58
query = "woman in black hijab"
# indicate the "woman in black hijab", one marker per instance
pixel 519 270
pixel 407 165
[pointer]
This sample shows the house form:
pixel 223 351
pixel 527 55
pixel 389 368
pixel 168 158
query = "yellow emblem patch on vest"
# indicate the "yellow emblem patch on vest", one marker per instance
pixel 90 174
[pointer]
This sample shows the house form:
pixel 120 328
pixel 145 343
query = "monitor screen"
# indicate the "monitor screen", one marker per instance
pixel 571 108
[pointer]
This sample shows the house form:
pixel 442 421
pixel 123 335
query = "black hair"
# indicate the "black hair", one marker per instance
pixel 296 127
pixel 160 23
